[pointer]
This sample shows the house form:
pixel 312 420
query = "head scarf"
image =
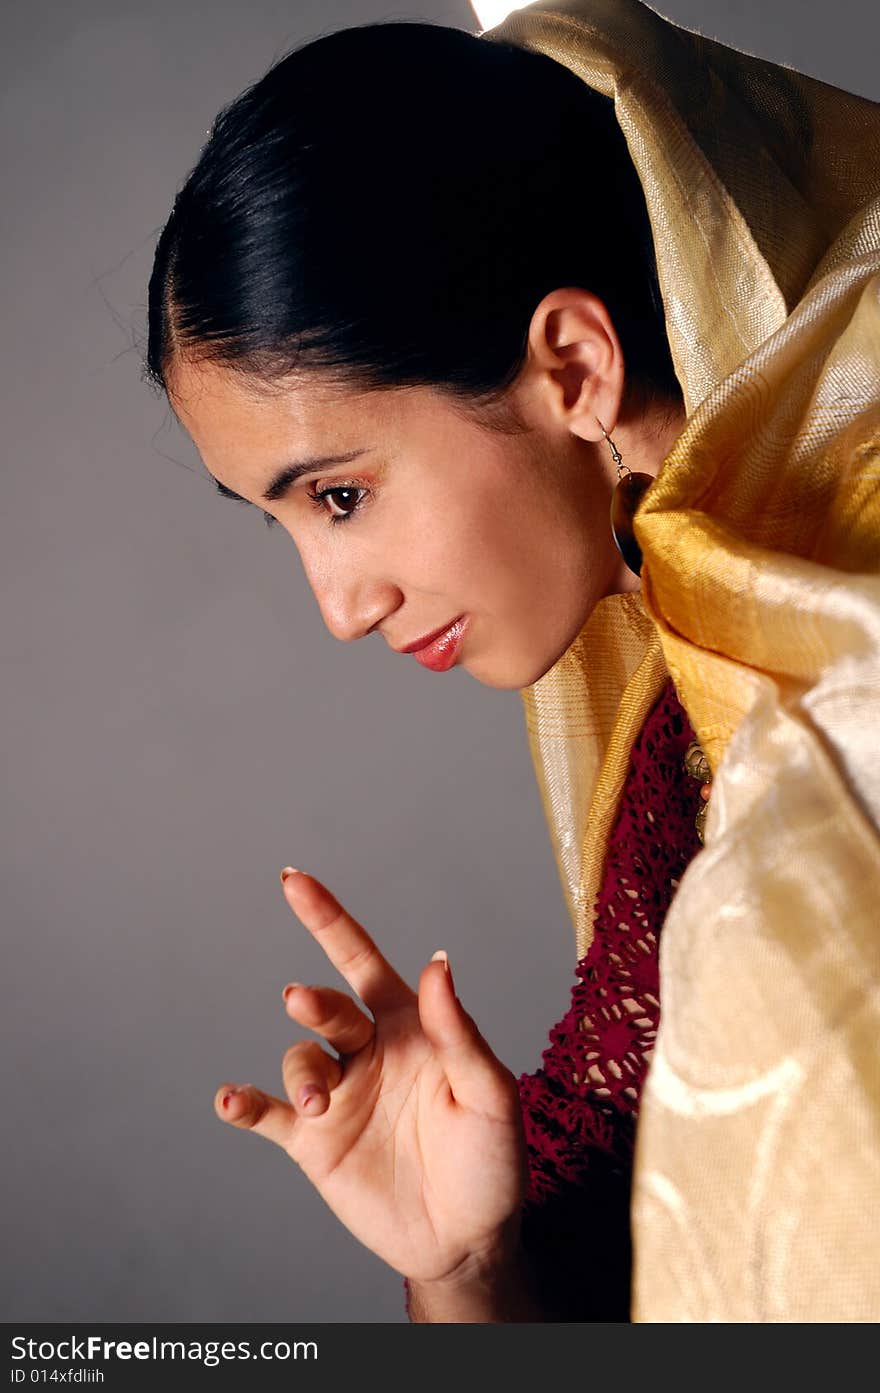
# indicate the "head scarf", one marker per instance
pixel 758 1154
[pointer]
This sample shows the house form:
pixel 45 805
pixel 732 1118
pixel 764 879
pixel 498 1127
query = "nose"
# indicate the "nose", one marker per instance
pixel 352 605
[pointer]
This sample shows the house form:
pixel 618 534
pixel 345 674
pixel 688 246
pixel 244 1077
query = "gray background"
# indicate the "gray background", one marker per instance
pixel 178 724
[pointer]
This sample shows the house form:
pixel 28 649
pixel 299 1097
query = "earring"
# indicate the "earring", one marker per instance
pixel 624 501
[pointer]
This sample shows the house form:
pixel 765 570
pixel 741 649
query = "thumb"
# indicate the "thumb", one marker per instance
pixel 477 1078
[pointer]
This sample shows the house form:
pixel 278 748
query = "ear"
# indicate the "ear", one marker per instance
pixel 576 362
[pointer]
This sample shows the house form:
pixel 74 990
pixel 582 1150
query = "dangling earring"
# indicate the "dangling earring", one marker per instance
pixel 624 501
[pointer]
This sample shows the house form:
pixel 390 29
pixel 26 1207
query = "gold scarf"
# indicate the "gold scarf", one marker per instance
pixel 757 1169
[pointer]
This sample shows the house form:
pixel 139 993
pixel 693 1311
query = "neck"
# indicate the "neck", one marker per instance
pixel 645 440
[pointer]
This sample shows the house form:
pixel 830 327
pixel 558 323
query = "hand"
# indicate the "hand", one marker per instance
pixel 414 1135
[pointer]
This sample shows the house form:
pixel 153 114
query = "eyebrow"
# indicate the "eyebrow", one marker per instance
pixel 289 473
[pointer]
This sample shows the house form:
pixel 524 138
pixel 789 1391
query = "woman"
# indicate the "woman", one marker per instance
pixel 441 287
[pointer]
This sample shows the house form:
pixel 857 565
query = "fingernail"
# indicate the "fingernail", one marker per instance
pixel 288 870
pixel 289 988
pixel 227 1095
pixel 307 1093
pixel 441 956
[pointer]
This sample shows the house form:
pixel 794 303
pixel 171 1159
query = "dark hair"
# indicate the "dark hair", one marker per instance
pixel 389 204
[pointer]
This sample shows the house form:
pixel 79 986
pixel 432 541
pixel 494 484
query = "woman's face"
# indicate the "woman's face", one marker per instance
pixel 437 516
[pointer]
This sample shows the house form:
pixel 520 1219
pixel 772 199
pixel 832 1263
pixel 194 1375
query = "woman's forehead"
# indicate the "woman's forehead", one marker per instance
pixel 204 385
pixel 243 433
pixel 204 391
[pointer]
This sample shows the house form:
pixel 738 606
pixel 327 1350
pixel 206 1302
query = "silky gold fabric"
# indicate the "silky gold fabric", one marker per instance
pixel 757 1169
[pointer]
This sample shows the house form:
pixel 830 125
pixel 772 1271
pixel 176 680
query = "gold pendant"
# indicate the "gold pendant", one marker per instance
pixel 696 764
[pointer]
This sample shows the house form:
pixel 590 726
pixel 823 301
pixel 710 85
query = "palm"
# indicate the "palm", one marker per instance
pixel 404 1166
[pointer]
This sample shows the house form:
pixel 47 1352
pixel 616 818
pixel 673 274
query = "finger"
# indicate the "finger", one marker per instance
pixel 250 1108
pixel 346 943
pixel 477 1078
pixel 310 1075
pixel 332 1014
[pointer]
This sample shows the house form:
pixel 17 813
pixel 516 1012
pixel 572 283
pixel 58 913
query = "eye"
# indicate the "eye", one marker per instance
pixel 344 496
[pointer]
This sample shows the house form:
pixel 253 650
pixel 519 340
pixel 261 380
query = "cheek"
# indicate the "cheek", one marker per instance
pixel 487 539
pixel 466 548
pixel 505 559
pixel 438 545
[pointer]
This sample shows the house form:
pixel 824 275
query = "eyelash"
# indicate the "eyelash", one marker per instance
pixel 317 497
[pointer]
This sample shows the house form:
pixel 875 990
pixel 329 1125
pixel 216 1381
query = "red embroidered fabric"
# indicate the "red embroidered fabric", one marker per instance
pixel 580 1107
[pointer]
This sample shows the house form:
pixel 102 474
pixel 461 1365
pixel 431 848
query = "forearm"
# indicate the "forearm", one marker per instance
pixel 501 1292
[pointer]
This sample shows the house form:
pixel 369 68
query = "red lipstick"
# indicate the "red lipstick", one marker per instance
pixel 439 651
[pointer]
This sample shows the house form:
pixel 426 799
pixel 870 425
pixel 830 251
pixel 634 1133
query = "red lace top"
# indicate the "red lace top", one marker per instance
pixel 580 1107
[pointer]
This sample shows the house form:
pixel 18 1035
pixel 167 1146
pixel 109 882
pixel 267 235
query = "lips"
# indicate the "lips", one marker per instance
pixel 427 639
pixel 441 653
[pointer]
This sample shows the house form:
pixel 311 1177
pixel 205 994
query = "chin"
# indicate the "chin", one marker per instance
pixel 499 684
pixel 510 677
